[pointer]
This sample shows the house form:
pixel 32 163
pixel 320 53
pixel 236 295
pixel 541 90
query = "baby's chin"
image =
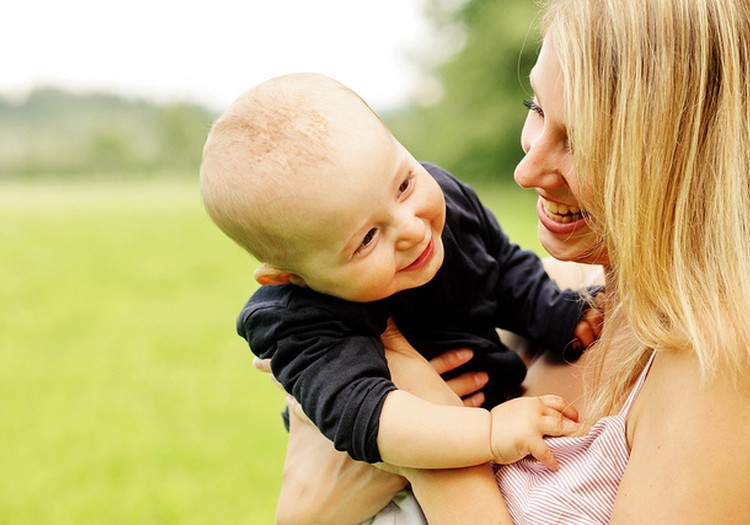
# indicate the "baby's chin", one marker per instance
pixel 426 274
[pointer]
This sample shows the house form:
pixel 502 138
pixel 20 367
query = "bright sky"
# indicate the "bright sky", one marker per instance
pixel 209 52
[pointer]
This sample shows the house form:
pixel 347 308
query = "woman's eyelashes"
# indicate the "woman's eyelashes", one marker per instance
pixel 533 106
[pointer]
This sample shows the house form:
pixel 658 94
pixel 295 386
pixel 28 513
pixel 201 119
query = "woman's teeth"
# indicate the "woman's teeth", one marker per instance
pixel 561 212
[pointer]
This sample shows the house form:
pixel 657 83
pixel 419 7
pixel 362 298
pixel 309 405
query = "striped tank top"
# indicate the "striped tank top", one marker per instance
pixel 584 489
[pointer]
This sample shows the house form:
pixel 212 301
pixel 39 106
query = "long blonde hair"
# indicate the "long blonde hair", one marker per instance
pixel 657 95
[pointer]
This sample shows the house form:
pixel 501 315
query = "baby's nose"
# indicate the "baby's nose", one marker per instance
pixel 412 232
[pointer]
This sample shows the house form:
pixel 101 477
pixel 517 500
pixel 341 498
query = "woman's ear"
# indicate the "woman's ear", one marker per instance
pixel 268 274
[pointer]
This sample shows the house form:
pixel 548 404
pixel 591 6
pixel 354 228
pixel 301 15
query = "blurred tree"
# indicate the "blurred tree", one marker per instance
pixel 180 138
pixel 468 114
pixel 110 150
pixel 55 132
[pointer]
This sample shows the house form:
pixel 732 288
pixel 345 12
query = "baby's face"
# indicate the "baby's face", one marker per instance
pixel 373 225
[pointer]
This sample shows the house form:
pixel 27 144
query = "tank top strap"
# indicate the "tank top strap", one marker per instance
pixel 637 386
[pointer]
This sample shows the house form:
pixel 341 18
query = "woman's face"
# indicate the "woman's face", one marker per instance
pixel 548 167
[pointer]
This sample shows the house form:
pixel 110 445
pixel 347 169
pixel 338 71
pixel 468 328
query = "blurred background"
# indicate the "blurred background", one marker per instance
pixel 127 396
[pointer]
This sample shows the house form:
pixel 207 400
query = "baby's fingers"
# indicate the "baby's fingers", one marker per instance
pixel 560 405
pixel 451 359
pixel 543 454
pixel 555 424
pixel 584 334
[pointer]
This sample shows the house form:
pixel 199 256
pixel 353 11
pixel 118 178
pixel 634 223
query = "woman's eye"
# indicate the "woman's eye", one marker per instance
pixel 369 236
pixel 532 106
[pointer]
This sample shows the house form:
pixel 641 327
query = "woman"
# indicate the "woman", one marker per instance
pixel 641 117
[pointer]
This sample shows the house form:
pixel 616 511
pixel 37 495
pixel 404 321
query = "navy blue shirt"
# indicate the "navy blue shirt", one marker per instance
pixel 327 352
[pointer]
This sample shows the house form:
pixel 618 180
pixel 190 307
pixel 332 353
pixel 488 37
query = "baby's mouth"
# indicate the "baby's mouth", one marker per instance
pixel 562 212
pixel 423 257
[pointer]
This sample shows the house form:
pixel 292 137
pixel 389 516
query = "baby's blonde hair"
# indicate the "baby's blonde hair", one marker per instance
pixel 257 153
pixel 658 107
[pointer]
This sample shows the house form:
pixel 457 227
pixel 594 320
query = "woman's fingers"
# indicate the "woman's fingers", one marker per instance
pixel 264 365
pixel 393 339
pixel 410 371
pixel 468 384
pixel 474 400
pixel 451 360
pixel 295 410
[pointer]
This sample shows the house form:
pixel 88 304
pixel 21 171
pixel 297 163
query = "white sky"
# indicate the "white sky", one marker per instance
pixel 209 52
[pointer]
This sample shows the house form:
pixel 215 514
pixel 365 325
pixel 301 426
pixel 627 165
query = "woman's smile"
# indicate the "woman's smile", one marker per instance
pixel 560 218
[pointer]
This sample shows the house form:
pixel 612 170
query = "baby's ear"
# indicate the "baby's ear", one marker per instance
pixel 268 274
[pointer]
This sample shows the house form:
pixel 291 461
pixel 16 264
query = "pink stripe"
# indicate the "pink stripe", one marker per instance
pixel 584 489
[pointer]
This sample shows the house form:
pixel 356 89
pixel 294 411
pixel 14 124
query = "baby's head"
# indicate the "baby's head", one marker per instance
pixel 293 172
pixel 260 157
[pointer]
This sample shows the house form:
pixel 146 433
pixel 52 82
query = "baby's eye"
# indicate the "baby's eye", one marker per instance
pixel 533 106
pixel 405 185
pixel 369 236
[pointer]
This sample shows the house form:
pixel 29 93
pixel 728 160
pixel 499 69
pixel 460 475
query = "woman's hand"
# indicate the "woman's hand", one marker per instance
pixel 443 493
pixel 466 386
pixel 321 484
pixel 411 372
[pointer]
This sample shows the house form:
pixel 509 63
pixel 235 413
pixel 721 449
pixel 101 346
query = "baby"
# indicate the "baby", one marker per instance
pixel 351 230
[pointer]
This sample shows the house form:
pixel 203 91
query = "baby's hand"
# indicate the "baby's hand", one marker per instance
pixel 518 426
pixel 588 328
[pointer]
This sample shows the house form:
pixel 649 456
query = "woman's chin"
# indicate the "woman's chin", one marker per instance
pixel 581 246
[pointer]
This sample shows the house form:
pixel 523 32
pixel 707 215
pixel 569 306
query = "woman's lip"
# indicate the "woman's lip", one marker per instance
pixel 556 226
pixel 423 258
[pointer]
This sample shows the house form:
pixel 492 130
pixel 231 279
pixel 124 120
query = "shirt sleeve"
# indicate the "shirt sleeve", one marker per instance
pixel 329 358
pixel 529 302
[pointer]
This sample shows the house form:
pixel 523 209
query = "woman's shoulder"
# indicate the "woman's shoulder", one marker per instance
pixel 689 447
pixel 677 391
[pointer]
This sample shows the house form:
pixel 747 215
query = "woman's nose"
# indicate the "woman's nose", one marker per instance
pixel 537 169
pixel 527 173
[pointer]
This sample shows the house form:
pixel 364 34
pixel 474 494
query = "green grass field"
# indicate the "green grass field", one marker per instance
pixel 126 395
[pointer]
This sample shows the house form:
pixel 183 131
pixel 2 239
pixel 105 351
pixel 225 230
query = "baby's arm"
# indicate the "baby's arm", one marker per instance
pixel 421 434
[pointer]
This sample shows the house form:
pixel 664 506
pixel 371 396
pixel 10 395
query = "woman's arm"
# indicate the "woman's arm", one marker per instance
pixel 309 493
pixel 468 495
pixel 322 485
